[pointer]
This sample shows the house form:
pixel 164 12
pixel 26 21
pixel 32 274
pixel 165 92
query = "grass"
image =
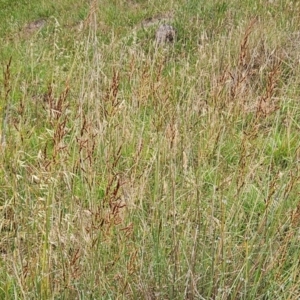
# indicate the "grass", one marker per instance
pixel 135 172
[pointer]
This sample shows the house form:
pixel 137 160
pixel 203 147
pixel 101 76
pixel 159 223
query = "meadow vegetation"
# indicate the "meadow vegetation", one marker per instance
pixel 131 171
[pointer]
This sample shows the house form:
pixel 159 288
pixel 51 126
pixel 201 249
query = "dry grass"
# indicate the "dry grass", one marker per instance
pixel 135 172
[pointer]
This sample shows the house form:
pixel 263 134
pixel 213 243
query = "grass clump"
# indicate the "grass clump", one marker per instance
pixel 131 171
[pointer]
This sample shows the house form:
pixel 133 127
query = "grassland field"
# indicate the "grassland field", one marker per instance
pixel 132 170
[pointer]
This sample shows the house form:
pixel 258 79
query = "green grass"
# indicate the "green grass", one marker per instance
pixel 135 172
